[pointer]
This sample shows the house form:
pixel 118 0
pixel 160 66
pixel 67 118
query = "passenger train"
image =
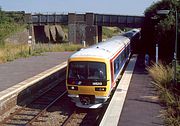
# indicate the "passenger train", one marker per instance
pixel 92 72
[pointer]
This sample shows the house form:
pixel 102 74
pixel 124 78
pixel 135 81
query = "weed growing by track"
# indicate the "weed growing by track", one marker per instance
pixel 169 93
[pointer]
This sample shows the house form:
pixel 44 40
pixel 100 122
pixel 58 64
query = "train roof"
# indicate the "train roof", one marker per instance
pixel 131 33
pixel 105 49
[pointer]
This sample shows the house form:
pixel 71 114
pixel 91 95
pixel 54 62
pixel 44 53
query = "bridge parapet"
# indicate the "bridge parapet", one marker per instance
pixel 118 20
pixel 41 19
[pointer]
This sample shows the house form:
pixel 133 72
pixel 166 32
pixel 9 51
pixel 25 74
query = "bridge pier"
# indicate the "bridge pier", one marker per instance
pixel 82 28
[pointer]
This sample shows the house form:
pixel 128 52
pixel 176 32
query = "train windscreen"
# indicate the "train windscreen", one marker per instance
pixel 87 73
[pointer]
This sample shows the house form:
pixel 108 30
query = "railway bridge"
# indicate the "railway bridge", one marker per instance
pixel 81 27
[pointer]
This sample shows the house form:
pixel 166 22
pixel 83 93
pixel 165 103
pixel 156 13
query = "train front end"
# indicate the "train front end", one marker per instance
pixel 88 82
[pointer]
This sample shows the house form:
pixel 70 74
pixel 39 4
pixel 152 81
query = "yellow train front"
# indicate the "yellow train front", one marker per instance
pixel 92 72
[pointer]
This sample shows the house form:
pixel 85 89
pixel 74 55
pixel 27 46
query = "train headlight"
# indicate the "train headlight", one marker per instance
pixel 100 89
pixel 72 88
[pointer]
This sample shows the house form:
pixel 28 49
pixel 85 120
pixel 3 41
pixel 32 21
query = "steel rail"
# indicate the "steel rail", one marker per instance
pixel 68 120
pixel 44 110
pixel 24 107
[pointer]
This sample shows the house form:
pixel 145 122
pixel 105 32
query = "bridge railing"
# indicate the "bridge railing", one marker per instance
pixel 49 19
pixel 116 20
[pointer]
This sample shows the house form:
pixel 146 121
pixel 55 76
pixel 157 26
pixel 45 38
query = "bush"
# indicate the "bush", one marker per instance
pixel 169 93
pixel 161 74
pixel 8 25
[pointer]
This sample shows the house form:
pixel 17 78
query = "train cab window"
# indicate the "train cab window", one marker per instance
pixel 77 71
pixel 86 72
pixel 96 71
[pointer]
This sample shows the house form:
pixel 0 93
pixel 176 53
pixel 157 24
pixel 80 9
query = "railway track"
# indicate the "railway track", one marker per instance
pixel 84 117
pixel 28 114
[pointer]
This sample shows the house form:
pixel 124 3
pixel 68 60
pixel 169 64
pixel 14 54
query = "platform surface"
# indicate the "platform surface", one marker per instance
pixel 141 107
pixel 12 73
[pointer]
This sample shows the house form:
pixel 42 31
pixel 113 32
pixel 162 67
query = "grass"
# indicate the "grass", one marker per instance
pixel 169 93
pixel 10 52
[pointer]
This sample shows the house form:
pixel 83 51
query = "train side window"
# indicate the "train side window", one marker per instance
pixel 114 67
pixel 127 51
pixel 117 64
pixel 123 55
pixel 120 60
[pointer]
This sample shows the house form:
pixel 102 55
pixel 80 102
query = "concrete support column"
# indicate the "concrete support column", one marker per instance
pixel 99 33
pixel 76 28
pixel 84 29
pixel 47 32
pixel 91 35
pixel 91 30
pixel 52 32
pixel 72 27
pixel 80 33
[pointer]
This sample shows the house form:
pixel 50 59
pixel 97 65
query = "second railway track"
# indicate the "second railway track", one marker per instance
pixel 37 111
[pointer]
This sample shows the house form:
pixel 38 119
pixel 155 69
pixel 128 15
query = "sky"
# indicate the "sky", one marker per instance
pixel 120 7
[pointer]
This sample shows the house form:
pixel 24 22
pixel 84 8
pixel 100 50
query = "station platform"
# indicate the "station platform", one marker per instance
pixel 135 101
pixel 12 73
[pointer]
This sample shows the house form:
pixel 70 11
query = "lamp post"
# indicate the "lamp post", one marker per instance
pixel 161 12
pixel 157 40
pixel 175 52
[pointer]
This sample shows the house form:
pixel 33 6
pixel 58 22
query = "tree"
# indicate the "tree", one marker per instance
pixel 160 29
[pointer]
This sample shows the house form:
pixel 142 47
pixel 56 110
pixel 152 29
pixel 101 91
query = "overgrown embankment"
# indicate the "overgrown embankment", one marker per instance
pixel 9 25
